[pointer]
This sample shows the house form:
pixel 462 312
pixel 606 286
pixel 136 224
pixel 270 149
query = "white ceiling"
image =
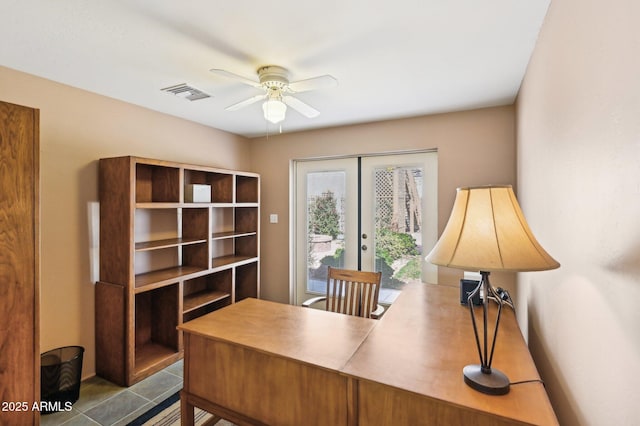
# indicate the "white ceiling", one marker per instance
pixel 392 59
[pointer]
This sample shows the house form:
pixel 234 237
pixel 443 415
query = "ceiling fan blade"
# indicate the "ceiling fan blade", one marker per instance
pixel 245 103
pixel 240 78
pixel 301 107
pixel 315 83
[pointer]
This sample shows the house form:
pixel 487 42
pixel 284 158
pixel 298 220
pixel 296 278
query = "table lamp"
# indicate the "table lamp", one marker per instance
pixel 488 232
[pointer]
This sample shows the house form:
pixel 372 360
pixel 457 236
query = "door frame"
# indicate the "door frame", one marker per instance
pixel 433 276
pixel 429 272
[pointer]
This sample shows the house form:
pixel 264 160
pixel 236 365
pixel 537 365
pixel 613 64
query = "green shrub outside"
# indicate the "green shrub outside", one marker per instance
pixel 323 215
pixel 391 246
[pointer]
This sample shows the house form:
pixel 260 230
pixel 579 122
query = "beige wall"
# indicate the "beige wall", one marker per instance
pixel 579 181
pixel 76 129
pixel 474 148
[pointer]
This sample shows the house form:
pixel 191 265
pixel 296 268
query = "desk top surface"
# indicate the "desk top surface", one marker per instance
pixel 425 339
pixel 420 345
pixel 324 339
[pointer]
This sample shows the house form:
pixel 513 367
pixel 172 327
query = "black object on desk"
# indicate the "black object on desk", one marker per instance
pixel 466 287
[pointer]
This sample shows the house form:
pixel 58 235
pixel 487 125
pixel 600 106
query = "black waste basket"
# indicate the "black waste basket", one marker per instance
pixel 60 377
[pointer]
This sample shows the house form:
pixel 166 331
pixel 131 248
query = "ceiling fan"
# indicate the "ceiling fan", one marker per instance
pixel 274 81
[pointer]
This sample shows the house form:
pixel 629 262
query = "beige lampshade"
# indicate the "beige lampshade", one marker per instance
pixel 488 232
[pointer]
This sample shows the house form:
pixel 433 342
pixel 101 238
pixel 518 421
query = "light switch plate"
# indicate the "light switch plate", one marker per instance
pixel 273 218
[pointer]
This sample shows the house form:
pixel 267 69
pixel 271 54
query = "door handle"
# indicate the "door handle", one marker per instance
pixel 364 247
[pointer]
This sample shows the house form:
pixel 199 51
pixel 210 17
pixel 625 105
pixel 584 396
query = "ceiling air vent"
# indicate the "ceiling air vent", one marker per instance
pixel 185 91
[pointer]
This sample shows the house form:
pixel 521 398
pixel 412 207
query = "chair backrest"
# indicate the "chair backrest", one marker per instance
pixel 352 292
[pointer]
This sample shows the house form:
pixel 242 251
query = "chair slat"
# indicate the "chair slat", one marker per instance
pixel 352 299
pixel 366 301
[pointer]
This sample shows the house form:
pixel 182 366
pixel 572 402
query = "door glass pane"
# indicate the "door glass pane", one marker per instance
pixel 398 227
pixel 325 226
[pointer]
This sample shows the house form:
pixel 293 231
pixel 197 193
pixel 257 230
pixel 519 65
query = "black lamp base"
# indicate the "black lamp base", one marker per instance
pixel 493 383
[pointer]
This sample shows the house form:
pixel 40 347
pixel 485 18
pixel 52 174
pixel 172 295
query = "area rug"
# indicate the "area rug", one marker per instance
pixel 167 413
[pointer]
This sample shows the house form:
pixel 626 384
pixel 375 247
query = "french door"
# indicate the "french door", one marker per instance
pixel 373 213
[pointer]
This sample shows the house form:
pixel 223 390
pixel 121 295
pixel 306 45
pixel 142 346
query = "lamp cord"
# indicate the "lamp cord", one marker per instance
pixel 505 296
pixel 528 381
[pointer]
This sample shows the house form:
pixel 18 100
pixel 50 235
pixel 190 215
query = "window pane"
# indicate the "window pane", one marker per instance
pixel 398 227
pixel 325 226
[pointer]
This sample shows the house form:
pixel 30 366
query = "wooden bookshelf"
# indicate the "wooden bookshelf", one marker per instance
pixel 165 261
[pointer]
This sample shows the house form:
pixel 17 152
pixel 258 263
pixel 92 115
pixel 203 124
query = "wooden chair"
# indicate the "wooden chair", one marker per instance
pixel 352 293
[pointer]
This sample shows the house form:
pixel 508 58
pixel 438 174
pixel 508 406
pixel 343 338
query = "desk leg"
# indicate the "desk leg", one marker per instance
pixel 186 410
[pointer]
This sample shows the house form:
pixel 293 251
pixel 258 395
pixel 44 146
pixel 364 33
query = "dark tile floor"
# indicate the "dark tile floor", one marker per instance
pixel 104 403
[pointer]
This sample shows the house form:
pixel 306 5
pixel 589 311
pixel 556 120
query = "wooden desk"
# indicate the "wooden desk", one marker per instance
pixel 259 362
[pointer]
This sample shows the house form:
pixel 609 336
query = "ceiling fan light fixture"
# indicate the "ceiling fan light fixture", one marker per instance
pixel 274 110
pixel 277 92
